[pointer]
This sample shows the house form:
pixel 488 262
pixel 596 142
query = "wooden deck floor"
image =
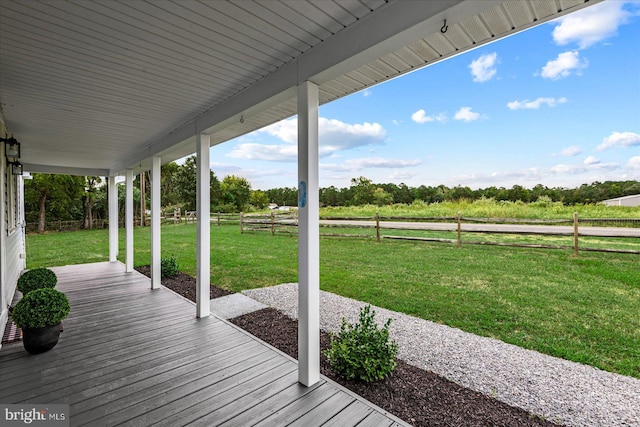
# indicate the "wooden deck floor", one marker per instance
pixel 133 356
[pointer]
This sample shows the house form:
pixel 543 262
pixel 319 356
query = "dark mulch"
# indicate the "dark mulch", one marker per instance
pixel 185 285
pixel 419 397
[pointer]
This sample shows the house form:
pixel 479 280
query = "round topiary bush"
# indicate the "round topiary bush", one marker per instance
pixel 37 278
pixel 40 308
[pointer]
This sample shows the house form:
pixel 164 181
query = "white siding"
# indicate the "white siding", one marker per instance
pixel 12 243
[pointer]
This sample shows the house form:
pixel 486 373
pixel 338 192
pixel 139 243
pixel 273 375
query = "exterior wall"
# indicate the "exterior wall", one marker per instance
pixel 624 201
pixel 12 242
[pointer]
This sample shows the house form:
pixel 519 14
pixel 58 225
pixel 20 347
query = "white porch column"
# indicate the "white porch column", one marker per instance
pixel 4 313
pixel 129 220
pixel 203 250
pixel 308 236
pixel 113 219
pixel 155 223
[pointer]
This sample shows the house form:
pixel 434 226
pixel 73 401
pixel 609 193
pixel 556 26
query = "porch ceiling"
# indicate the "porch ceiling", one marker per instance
pixel 94 87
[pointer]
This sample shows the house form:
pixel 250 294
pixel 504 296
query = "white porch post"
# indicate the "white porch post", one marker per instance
pixel 203 250
pixel 113 219
pixel 155 222
pixel 3 245
pixel 129 220
pixel 308 236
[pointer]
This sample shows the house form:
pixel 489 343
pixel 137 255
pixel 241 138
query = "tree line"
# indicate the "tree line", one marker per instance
pixel 64 197
pixel 364 191
pixel 85 198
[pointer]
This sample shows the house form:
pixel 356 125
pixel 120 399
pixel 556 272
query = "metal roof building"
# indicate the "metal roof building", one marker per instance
pixel 633 200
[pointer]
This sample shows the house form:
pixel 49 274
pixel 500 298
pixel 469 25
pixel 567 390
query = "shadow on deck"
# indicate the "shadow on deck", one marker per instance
pixel 133 356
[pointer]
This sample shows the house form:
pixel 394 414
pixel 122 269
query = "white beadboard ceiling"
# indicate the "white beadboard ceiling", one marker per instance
pixel 95 87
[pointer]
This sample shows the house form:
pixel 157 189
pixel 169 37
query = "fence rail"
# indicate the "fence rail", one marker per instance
pixel 274 222
pixel 287 223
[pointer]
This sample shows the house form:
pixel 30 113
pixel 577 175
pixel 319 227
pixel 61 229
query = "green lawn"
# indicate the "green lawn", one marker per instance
pixel 583 309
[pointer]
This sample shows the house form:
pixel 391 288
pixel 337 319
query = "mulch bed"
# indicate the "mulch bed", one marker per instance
pixel 184 285
pixel 419 397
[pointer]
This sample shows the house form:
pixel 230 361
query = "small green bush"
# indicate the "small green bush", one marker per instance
pixel 168 267
pixel 363 351
pixel 37 278
pixel 40 308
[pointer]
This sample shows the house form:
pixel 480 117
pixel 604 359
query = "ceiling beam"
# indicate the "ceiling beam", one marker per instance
pixel 64 170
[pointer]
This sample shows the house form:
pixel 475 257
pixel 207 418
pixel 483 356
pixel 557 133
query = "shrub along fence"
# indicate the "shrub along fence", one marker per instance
pixel 573 229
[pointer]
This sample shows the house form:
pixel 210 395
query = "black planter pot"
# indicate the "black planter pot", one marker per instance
pixel 39 340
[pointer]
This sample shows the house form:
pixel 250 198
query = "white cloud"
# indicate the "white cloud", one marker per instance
pixel 223 168
pixel 578 169
pixel 484 68
pixel 466 114
pixel 591 160
pixel 402 175
pixel 334 136
pixel 574 150
pixel 494 177
pixel 372 162
pixel 634 163
pixel 590 25
pixel 536 103
pixel 274 153
pixel 619 139
pixel 421 117
pixel 559 175
pixel 366 92
pixel 564 65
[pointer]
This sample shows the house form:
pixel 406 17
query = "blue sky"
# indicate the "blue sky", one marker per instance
pixel 558 105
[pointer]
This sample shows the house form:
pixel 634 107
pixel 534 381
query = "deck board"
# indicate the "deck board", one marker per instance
pixel 134 356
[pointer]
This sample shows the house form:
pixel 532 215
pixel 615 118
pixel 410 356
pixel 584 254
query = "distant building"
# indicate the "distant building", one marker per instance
pixel 633 200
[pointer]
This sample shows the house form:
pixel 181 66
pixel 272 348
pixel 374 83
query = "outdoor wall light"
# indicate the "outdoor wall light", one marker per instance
pixel 16 168
pixel 11 147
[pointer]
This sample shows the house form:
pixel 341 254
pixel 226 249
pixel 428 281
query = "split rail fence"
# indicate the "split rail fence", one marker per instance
pixel 287 223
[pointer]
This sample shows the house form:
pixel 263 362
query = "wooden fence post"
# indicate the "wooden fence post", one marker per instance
pixel 241 228
pixel 273 227
pixel 378 227
pixel 575 234
pixel 459 228
pixel 218 218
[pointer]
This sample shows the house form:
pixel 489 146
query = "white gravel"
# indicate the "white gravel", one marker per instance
pixel 559 390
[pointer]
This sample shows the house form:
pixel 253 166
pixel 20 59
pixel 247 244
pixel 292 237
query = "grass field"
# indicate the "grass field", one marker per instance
pixel 487 208
pixel 583 309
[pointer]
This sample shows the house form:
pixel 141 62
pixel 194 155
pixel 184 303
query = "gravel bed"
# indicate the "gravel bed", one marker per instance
pixel 558 390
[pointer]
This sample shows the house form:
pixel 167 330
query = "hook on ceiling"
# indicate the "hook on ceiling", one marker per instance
pixel 444 27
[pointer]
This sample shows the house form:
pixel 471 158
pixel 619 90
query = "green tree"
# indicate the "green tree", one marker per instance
pixel 381 197
pixel 236 191
pixel 57 194
pixel 363 189
pixel 89 198
pixel 184 184
pixel 259 199
pixel 168 193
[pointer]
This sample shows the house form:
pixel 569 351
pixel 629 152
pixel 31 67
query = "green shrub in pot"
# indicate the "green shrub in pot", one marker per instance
pixel 37 278
pixel 39 314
